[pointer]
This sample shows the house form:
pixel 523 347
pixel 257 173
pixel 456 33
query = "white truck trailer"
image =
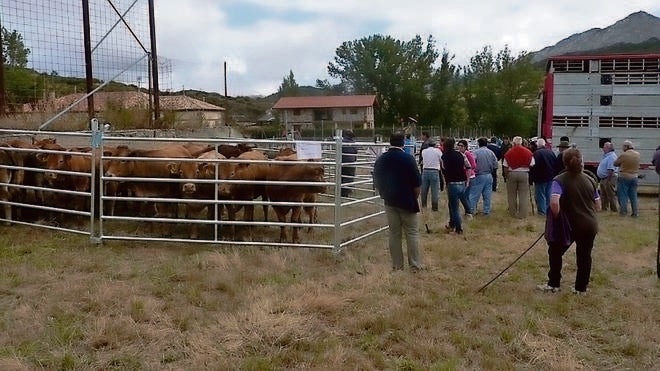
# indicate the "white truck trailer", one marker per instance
pixel 593 99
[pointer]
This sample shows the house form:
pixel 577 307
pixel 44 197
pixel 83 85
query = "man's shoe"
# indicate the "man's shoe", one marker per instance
pixel 547 288
pixel 577 292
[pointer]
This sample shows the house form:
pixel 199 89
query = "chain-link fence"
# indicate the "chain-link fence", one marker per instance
pixel 55 52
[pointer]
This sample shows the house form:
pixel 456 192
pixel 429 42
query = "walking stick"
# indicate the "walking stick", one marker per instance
pixel 531 201
pixel 424 219
pixel 510 265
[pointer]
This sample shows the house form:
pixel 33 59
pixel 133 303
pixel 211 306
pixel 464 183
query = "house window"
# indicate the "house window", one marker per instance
pixel 354 111
pixel 321 114
pixel 296 112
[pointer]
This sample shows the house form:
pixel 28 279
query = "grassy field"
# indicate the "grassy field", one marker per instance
pixel 68 304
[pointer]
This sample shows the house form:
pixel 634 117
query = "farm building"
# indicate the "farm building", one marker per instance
pixel 342 112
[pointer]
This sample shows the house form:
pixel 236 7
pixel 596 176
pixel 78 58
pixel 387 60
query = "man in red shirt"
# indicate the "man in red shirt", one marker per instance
pixel 517 162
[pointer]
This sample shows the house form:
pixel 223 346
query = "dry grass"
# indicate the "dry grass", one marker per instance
pixel 68 304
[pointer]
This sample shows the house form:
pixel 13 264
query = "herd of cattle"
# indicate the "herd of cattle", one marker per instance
pixel 43 172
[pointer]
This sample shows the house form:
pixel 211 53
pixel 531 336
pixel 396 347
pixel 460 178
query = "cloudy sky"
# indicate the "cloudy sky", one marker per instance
pixel 262 40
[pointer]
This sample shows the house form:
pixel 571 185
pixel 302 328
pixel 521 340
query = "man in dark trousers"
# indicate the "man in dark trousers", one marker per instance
pixel 498 154
pixel 398 181
pixel 348 155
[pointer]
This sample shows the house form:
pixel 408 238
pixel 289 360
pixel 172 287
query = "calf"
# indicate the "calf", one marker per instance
pixel 292 193
pixel 247 171
pixel 149 169
pixel 204 169
pixel 74 161
pixel 5 179
pixel 229 150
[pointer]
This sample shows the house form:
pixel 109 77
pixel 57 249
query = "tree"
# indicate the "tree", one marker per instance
pixel 289 87
pixel 444 107
pixel 20 83
pixel 14 52
pixel 397 72
pixel 500 92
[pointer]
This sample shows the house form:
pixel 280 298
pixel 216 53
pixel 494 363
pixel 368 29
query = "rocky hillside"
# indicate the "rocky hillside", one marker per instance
pixel 632 34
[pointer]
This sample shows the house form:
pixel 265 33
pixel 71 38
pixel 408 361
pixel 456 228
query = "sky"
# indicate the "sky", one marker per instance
pixel 262 40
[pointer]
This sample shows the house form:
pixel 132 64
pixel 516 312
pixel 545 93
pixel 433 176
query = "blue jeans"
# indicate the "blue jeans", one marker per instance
pixel 454 194
pixel 465 199
pixel 542 195
pixel 627 189
pixel 430 180
pixel 481 185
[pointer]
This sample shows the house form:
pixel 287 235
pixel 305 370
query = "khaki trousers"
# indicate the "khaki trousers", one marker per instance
pixel 517 192
pixel 608 194
pixel 403 222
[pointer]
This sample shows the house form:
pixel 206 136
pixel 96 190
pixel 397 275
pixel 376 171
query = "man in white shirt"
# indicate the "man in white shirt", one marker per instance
pixel 431 174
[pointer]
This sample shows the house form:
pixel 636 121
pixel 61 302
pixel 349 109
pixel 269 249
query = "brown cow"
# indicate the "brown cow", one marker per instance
pixel 149 169
pixel 197 149
pixel 28 160
pixel 229 150
pixel 288 154
pixel 251 172
pixel 292 193
pixel 204 169
pixel 69 160
pixel 5 178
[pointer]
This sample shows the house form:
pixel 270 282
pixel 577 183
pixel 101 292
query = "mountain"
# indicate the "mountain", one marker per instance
pixel 637 33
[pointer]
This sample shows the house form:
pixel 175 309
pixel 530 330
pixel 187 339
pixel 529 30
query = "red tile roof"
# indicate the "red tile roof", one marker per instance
pixel 339 101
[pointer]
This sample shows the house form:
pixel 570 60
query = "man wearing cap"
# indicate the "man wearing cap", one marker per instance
pixel 431 156
pixel 606 174
pixel 628 163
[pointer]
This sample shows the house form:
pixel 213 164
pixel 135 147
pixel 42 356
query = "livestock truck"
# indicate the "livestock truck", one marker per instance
pixel 593 99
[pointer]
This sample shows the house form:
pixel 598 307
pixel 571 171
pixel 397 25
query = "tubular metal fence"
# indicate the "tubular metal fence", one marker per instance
pixel 330 221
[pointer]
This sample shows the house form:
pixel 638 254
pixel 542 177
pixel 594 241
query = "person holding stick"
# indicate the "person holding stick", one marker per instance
pixel 573 205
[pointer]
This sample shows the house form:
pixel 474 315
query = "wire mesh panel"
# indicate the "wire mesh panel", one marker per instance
pixel 44 54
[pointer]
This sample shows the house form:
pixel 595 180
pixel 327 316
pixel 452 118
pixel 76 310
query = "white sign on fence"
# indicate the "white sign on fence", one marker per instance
pixel 308 150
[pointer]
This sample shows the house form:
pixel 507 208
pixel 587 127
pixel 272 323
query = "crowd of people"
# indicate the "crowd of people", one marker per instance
pixel 566 194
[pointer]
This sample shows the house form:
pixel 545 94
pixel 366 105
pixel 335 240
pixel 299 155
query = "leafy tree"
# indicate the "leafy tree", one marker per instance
pixel 444 107
pixel 336 89
pixel 397 72
pixel 500 92
pixel 14 52
pixel 289 87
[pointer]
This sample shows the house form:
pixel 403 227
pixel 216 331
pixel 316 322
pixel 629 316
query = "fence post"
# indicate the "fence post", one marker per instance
pixel 95 192
pixel 337 231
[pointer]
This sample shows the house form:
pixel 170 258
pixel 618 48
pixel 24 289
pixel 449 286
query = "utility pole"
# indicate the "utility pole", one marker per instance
pixel 225 79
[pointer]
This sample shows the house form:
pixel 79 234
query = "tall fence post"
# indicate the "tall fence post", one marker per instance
pixel 95 190
pixel 337 231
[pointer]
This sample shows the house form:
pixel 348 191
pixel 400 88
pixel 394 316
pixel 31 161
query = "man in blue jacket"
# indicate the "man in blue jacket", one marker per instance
pixel 398 181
